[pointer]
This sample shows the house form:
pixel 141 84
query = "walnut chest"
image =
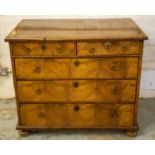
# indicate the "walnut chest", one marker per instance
pixel 77 73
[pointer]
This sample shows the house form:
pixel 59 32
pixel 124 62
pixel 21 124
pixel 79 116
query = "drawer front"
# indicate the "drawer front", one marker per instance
pixel 79 115
pixel 76 68
pixel 107 47
pixel 107 91
pixel 44 49
pixel 42 68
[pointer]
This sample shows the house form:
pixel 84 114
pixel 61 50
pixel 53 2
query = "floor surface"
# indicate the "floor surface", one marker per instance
pixel 8 121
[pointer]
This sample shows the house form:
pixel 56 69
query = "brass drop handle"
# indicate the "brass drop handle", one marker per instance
pixel 115 66
pixel 113 113
pixel 41 114
pixel 75 84
pixel 76 63
pixel 107 45
pixel 28 50
pixel 92 50
pixel 38 91
pixel 60 50
pixel 42 46
pixel 37 69
pixel 76 108
pixel 116 90
pixel 125 48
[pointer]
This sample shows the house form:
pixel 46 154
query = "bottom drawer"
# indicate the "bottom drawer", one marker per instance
pixel 76 115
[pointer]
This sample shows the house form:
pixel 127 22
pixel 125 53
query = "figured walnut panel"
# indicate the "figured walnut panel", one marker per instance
pixel 106 68
pixel 81 115
pixel 56 115
pixel 44 49
pixel 114 114
pixel 107 47
pixel 76 68
pixel 107 91
pixel 42 68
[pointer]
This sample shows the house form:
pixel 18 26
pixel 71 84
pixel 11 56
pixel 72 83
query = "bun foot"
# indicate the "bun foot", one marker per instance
pixel 23 133
pixel 131 133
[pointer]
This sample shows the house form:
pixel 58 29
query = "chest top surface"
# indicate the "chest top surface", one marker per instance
pixel 76 29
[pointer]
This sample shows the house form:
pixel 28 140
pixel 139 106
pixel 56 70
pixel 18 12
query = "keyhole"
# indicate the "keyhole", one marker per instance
pixel 76 108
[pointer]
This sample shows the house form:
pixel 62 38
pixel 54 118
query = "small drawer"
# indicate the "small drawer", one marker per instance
pixel 107 91
pixel 87 48
pixel 108 68
pixel 43 49
pixel 77 115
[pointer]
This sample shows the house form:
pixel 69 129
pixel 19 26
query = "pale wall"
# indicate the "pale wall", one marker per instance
pixel 147 23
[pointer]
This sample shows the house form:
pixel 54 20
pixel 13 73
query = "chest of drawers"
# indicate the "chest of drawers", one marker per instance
pixel 77 74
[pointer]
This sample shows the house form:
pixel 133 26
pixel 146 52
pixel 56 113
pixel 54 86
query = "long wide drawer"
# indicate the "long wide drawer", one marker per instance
pixel 107 91
pixel 57 48
pixel 79 115
pixel 92 48
pixel 76 68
